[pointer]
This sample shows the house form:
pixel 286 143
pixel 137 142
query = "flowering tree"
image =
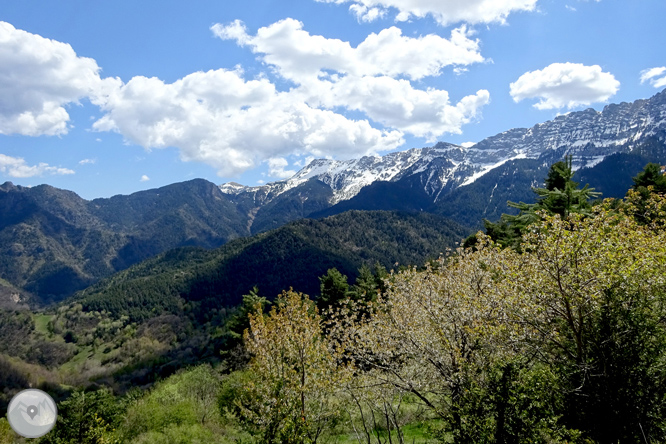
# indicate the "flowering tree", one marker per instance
pixel 293 375
pixel 582 306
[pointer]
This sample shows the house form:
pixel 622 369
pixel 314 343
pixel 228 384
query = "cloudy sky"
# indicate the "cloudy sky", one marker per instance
pixel 104 98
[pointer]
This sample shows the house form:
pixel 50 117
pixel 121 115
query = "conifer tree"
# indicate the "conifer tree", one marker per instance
pixel 240 321
pixel 647 184
pixel 650 176
pixel 334 288
pixel 561 196
pixel 365 286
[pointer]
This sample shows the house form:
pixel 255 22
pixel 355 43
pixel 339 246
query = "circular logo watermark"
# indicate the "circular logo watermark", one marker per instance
pixel 32 413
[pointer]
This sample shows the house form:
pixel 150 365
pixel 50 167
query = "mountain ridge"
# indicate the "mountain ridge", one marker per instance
pixel 53 242
pixel 587 135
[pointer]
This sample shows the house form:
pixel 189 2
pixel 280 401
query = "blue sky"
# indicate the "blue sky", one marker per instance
pixel 107 98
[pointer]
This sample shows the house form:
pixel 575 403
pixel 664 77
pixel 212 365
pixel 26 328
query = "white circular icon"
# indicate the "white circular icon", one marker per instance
pixel 32 413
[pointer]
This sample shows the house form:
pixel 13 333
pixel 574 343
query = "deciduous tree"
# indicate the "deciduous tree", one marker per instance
pixel 293 375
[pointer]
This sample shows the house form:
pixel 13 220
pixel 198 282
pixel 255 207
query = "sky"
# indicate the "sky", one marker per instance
pixel 106 98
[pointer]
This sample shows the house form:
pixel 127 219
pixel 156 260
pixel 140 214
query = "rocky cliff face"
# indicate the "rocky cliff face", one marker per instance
pixel 588 135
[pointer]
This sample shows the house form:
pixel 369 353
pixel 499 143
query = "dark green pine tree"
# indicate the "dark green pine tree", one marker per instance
pixel 650 176
pixel 650 180
pixel 369 283
pixel 240 321
pixel 365 286
pixel 334 288
pixel 561 195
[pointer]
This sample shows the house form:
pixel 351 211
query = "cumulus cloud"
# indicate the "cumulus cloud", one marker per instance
pixel 655 76
pixel 375 77
pixel 563 85
pixel 18 167
pixel 300 56
pixel 87 161
pixel 395 103
pixel 221 119
pixel 144 178
pixel 365 14
pixel 234 124
pixel 276 168
pixel 38 77
pixel 444 12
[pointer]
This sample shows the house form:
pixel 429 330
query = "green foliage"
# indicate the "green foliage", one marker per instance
pixel 334 288
pixel 287 394
pixel 53 243
pixel 651 176
pixel 560 196
pixel 646 183
pixel 7 435
pixel 240 320
pixel 550 344
pixel 86 418
pixel 15 328
pixel 291 256
pixel 179 408
pixel 180 434
pixel 617 393
pixel 517 401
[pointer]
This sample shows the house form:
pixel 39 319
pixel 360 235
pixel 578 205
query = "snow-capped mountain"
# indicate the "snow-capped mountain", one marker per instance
pixel 465 185
pixel 588 135
pixel 347 177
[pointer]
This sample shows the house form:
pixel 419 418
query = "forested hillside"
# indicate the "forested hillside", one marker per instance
pixel 291 256
pixel 53 243
pixel 549 328
pixel 174 309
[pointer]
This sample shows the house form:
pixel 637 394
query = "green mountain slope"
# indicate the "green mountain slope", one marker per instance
pixel 53 243
pixel 294 255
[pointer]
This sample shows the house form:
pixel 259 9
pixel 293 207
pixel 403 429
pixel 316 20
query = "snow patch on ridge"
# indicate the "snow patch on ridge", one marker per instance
pixel 486 168
pixel 588 135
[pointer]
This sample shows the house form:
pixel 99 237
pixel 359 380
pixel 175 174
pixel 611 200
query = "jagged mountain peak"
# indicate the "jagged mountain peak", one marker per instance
pixel 347 177
pixel 589 135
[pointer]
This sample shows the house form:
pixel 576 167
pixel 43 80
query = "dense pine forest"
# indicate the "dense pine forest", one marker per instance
pixel 372 327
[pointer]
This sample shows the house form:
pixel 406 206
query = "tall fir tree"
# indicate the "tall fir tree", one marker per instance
pixel 561 195
pixel 651 175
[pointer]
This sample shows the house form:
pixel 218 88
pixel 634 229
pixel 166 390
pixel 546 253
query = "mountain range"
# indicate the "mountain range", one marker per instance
pixel 53 243
pixel 294 255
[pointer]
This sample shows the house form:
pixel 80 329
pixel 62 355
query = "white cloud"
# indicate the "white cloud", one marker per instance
pixel 565 85
pixel 87 161
pixel 445 12
pixel 467 144
pixel 276 168
pixel 395 103
pixel 234 124
pixel 656 76
pixel 300 56
pixel 38 77
pixel 144 178
pixel 218 118
pixel 365 14
pixel 17 167
pixel 373 77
